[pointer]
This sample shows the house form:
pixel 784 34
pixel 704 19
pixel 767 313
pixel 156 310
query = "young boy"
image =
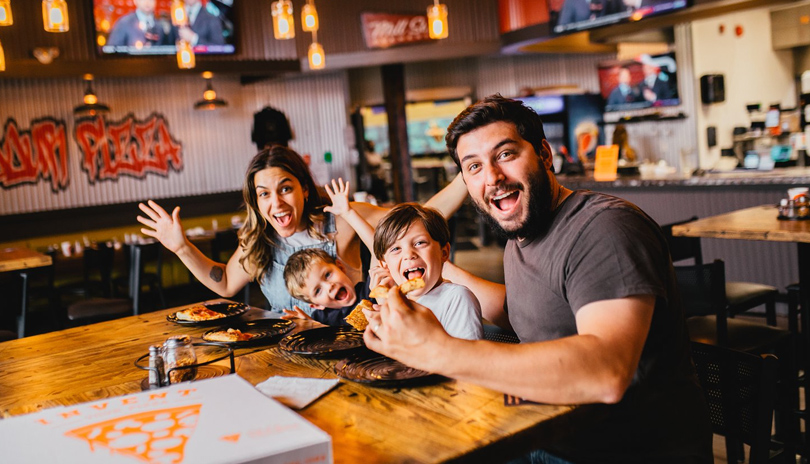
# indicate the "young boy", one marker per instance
pixel 414 241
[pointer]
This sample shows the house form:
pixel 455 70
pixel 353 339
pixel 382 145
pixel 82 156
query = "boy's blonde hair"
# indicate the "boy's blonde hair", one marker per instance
pixel 298 267
pixel 397 222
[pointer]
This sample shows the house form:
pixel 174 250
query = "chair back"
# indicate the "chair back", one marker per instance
pixel 702 290
pixel 683 248
pixel 740 389
pixel 141 255
pixel 98 262
pixel 224 241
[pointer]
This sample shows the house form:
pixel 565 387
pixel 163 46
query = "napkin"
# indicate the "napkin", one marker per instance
pixel 296 392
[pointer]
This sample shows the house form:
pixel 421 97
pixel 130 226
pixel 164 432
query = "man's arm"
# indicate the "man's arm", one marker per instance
pixel 450 198
pixel 491 296
pixel 595 366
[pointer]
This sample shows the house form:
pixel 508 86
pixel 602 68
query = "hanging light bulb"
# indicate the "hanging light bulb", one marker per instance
pixel 179 17
pixel 2 59
pixel 90 106
pixel 283 23
pixel 315 55
pixel 185 55
pixel 55 16
pixel 437 20
pixel 209 100
pixel 309 17
pixel 5 13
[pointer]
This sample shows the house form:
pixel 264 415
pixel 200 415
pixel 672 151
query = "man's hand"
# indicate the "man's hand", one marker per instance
pixel 160 225
pixel 295 314
pixel 339 195
pixel 405 331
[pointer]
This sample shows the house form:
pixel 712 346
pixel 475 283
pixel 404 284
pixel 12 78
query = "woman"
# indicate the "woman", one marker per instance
pixel 284 214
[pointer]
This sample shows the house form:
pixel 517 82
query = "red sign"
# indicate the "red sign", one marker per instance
pixel 130 147
pixel 383 30
pixel 25 156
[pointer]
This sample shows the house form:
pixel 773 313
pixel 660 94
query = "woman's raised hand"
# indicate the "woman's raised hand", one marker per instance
pixel 166 228
pixel 339 195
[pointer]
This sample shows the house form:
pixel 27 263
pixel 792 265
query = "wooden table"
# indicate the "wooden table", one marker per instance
pixel 444 421
pixel 20 259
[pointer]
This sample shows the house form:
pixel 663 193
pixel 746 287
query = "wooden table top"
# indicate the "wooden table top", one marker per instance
pixel 445 420
pixel 16 258
pixel 757 223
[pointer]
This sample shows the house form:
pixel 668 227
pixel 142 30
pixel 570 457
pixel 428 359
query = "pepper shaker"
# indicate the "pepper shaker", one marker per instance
pixel 155 367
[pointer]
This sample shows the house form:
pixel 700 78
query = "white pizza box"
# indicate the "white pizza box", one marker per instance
pixel 219 420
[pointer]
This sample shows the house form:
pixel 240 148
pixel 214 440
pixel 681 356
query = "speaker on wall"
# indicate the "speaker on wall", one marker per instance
pixel 712 88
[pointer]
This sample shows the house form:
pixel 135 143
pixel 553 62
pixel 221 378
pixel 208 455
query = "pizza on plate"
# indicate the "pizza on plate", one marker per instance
pixel 198 313
pixel 230 335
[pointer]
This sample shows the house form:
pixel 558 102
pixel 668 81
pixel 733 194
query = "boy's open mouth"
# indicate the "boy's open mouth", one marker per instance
pixel 414 272
pixel 341 294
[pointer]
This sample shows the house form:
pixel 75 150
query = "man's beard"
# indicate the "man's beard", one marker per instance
pixel 539 199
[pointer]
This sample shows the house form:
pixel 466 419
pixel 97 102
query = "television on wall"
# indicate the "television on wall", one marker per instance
pixel 144 27
pixel 649 81
pixel 577 15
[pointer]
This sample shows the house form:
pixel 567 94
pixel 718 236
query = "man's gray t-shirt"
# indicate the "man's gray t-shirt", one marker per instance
pixel 598 247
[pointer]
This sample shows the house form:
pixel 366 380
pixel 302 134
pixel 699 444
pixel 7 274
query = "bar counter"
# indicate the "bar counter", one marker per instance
pixel 446 420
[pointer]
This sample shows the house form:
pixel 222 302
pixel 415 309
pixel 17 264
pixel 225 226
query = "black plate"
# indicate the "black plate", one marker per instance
pixel 263 329
pixel 376 370
pixel 229 309
pixel 323 341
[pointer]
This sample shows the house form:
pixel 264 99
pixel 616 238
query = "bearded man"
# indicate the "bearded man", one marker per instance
pixel 590 291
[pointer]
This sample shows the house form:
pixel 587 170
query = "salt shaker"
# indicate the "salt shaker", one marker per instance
pixel 178 352
pixel 155 367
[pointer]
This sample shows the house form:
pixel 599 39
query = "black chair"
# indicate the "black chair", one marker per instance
pixel 94 309
pixel 702 294
pixel 7 335
pixel 144 271
pixel 740 296
pixel 740 389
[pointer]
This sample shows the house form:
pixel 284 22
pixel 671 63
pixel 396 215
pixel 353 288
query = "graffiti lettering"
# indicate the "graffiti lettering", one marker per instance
pixel 27 156
pixel 129 147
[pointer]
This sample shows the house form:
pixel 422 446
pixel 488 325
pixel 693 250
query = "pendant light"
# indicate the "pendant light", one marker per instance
pixel 90 105
pixel 437 20
pixel 179 16
pixel 55 16
pixel 283 23
pixel 185 55
pixel 5 13
pixel 309 17
pixel 315 55
pixel 209 101
pixel 2 59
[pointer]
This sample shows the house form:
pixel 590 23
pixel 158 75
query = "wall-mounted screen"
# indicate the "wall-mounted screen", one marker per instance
pixel 577 15
pixel 144 27
pixel 649 81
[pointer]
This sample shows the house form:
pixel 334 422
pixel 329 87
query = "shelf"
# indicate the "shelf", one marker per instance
pixel 646 118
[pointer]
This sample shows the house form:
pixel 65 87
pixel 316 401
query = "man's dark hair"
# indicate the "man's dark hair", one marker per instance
pixel 493 109
pixel 397 222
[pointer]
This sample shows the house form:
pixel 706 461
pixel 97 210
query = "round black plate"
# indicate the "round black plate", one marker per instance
pixel 323 341
pixel 792 218
pixel 376 370
pixel 229 309
pixel 263 329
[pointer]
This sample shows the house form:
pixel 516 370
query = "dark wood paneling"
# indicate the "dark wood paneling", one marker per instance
pixel 67 221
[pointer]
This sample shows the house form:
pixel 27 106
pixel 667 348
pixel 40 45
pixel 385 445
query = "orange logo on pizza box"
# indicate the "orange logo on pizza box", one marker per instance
pixel 151 436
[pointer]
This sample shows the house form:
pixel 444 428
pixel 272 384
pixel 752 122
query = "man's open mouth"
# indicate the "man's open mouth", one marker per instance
pixel 505 201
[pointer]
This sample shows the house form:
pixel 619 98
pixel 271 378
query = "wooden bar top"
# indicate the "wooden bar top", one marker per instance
pixel 757 223
pixel 16 258
pixel 437 422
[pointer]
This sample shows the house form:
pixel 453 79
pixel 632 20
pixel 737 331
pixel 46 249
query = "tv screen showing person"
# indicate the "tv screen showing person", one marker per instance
pixel 645 82
pixel 576 15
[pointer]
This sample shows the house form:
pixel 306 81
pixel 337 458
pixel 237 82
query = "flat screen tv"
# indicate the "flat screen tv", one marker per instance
pixel 576 15
pixel 649 81
pixel 144 27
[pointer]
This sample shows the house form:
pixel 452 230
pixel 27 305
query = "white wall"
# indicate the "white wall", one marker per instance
pixel 754 73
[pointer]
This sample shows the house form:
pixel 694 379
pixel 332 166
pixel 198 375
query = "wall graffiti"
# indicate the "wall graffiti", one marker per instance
pixel 26 156
pixel 128 147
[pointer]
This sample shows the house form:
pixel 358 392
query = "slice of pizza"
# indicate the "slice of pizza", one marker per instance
pixel 150 436
pixel 198 313
pixel 230 335
pixel 356 318
pixel 405 288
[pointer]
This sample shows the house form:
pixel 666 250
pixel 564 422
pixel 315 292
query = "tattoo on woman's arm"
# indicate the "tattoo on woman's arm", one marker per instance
pixel 216 274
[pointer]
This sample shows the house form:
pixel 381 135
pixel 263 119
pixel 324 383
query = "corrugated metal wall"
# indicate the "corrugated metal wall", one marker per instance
pixel 216 144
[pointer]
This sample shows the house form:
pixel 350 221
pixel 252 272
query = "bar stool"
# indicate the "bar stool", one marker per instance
pixel 740 296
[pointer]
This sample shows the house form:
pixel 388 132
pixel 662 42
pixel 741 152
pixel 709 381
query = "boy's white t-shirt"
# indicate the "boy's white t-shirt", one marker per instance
pixel 456 308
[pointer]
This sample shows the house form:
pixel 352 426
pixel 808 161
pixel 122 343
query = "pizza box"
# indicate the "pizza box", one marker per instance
pixel 219 420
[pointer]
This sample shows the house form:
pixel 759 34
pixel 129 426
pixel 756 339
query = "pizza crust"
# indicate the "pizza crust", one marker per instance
pixel 405 288
pixel 230 335
pixel 356 318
